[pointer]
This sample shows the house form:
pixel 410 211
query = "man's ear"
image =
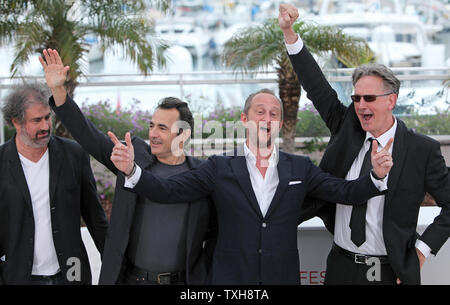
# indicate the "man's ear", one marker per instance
pixel 392 100
pixel 244 119
pixel 185 134
pixel 16 123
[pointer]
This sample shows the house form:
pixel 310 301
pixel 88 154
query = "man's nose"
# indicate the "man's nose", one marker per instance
pixel 45 124
pixel 362 103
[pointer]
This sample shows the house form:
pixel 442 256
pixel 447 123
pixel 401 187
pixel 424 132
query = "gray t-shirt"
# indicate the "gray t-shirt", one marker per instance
pixel 158 234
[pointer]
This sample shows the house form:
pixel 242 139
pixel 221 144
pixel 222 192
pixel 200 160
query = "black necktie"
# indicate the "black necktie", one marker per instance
pixel 358 218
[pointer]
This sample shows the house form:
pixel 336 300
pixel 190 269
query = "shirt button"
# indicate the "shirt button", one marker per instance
pixel 259 251
pixel 264 224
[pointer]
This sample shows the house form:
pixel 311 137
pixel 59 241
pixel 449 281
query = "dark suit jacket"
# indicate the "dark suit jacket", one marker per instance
pixel 418 168
pixel 73 194
pixel 253 249
pixel 201 216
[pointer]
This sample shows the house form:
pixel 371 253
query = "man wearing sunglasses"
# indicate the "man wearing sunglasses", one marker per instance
pixel 385 230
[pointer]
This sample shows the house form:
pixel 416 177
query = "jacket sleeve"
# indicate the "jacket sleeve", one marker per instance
pixel 437 183
pixel 91 209
pixel 324 186
pixel 184 187
pixel 319 91
pixel 84 132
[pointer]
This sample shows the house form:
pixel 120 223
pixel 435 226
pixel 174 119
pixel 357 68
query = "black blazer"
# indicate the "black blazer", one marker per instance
pixel 73 194
pixel 418 168
pixel 201 216
pixel 252 249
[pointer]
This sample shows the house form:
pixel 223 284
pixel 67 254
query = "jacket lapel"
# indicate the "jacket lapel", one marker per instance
pixel 55 164
pixel 239 167
pixel 399 153
pixel 284 175
pixel 17 173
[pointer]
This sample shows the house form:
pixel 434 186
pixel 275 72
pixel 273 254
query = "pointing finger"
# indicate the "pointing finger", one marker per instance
pixel 374 147
pixel 113 138
pixel 389 144
pixel 128 139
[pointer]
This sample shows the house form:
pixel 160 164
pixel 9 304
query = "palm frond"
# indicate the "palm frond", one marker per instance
pixel 254 47
pixel 134 35
pixel 37 24
pixel 349 50
pixel 259 46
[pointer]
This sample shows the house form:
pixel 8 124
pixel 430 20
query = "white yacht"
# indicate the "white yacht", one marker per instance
pixel 398 40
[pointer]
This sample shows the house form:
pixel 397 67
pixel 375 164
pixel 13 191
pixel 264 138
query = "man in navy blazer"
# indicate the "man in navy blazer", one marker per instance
pixel 258 193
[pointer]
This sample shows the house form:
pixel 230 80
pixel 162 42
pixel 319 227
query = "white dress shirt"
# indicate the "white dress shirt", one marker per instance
pixel 374 244
pixel 263 187
pixel 37 175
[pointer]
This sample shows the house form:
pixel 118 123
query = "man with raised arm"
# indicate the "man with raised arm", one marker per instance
pixel 258 192
pixel 147 243
pixel 384 229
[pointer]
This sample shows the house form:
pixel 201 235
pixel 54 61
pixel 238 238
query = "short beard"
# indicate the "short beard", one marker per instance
pixel 34 143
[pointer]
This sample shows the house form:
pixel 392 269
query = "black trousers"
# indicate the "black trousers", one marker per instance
pixel 134 279
pixel 342 270
pixel 56 279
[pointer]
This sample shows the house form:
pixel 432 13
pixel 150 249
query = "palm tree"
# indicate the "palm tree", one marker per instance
pixel 32 26
pixel 260 46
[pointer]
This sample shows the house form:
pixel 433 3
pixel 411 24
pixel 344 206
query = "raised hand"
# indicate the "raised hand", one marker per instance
pixel 54 69
pixel 122 155
pixel 55 75
pixel 382 160
pixel 287 16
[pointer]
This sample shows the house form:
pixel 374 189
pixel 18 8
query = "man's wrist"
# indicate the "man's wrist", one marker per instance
pixel 374 174
pixel 133 170
pixel 59 95
pixel 290 37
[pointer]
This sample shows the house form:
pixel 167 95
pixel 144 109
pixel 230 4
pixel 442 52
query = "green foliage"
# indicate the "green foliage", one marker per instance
pixel 437 124
pixel 105 118
pixel 260 46
pixel 310 124
pixel 33 26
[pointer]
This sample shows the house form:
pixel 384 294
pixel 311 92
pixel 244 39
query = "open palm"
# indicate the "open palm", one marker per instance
pixel 54 69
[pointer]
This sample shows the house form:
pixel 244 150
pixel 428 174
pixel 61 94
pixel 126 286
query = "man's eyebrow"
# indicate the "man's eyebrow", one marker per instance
pixel 41 117
pixel 159 125
pixel 163 125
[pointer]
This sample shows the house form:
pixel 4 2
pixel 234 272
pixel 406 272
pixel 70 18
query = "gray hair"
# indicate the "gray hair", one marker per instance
pixel 249 99
pixel 21 97
pixel 390 81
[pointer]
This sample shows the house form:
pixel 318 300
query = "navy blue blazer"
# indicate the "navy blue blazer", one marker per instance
pixel 252 248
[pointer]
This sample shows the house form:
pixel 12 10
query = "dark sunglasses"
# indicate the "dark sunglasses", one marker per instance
pixel 368 97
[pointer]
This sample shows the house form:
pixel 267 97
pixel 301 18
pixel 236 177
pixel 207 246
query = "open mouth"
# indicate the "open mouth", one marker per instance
pixel 43 135
pixel 366 117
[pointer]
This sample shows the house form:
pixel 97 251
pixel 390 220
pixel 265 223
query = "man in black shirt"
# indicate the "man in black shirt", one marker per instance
pixel 146 243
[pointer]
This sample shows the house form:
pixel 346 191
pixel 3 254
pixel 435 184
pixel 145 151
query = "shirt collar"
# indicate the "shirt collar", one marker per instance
pixel 249 156
pixel 384 138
